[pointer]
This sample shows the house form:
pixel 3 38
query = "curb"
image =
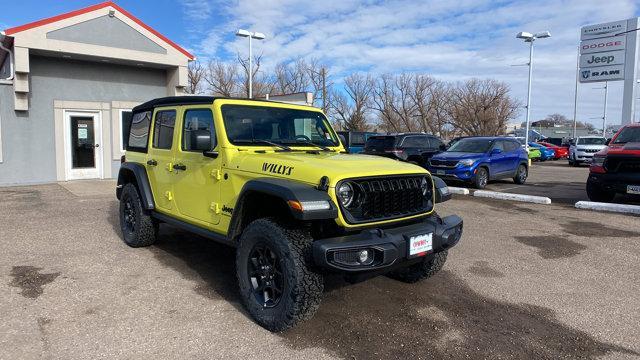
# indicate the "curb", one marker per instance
pixel 515 197
pixel 458 190
pixel 617 208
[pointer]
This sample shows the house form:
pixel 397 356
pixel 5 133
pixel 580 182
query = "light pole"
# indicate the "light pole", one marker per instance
pixel 250 35
pixel 604 113
pixel 530 38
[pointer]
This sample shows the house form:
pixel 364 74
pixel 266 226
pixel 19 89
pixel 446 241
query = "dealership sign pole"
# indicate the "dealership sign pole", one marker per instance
pixel 609 53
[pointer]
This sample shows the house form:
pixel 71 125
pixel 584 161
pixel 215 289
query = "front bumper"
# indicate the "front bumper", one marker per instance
pixel 584 156
pixel 614 182
pixel 390 246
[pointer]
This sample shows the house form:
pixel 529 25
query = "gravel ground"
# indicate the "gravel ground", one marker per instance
pixel 526 281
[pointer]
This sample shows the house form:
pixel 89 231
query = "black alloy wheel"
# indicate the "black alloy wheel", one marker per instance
pixel 265 275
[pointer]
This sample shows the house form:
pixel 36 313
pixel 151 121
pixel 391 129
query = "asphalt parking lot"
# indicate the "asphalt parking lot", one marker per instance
pixel 526 281
pixel 562 183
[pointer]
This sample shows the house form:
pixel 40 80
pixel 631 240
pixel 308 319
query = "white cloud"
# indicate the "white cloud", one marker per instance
pixel 453 40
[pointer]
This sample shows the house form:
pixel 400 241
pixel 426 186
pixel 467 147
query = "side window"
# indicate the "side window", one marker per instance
pixel 357 139
pixel 163 129
pixel 499 144
pixel 196 123
pixel 435 143
pixel 415 142
pixel 138 136
pixel 511 146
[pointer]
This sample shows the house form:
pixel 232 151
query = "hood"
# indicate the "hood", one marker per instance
pixel 454 155
pixel 309 168
pixel 632 148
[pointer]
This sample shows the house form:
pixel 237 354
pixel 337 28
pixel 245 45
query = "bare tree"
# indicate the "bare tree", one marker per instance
pixel 481 107
pixel 222 78
pixel 351 106
pixel 262 84
pixel 292 77
pixel 195 75
pixel 320 81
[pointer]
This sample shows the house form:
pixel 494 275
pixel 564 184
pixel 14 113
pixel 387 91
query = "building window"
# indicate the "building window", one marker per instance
pixel 125 125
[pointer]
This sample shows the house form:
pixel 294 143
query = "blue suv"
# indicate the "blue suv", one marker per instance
pixel 477 160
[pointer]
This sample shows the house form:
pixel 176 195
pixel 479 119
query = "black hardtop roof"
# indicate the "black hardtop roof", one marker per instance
pixel 190 100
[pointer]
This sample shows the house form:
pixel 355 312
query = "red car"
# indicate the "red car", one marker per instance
pixel 561 151
pixel 616 168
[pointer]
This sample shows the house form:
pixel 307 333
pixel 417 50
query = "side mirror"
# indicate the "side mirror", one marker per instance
pixel 496 151
pixel 343 141
pixel 200 140
pixel 442 147
pixel 210 154
pixel 442 190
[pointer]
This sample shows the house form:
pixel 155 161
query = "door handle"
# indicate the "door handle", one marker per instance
pixel 152 162
pixel 180 167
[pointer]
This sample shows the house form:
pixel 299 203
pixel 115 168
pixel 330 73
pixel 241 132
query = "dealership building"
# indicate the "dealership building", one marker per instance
pixel 67 86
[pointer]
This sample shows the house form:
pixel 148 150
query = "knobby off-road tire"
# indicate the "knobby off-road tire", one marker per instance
pixel 301 288
pixel 138 228
pixel 422 270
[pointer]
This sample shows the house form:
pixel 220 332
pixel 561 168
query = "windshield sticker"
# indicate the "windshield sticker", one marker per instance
pixel 277 169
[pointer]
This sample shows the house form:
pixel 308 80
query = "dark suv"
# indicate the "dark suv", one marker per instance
pixel 411 147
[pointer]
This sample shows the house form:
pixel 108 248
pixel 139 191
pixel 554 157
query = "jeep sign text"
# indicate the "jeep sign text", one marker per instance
pixel 600 59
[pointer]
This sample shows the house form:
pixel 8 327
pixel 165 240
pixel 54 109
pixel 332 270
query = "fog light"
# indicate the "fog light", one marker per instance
pixel 364 257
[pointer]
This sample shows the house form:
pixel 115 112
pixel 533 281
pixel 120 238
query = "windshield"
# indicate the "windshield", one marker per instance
pixel 591 141
pixel 249 124
pixel 471 146
pixel 629 134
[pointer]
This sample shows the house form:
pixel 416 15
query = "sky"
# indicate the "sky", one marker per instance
pixel 451 40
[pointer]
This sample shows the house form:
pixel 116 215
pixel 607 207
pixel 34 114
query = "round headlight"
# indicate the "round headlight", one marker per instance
pixel 345 194
pixel 424 186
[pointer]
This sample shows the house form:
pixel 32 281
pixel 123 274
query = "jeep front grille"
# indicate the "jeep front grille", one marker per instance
pixel 620 164
pixel 391 197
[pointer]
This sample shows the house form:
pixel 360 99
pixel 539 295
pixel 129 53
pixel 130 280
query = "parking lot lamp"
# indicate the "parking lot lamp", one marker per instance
pixel 530 38
pixel 250 35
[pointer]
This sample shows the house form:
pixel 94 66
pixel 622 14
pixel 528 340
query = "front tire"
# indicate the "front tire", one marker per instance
pixel 274 268
pixel 422 270
pixel 521 175
pixel 482 178
pixel 596 194
pixel 138 228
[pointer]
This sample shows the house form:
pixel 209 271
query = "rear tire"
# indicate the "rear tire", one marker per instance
pixel 281 289
pixel 596 194
pixel 422 270
pixel 521 175
pixel 481 179
pixel 138 228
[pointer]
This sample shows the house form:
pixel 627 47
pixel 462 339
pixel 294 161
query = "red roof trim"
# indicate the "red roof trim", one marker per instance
pixel 105 4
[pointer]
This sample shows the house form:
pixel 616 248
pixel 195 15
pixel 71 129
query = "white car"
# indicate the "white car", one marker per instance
pixel 582 149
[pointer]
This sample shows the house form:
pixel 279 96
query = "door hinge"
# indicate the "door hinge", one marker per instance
pixel 215 208
pixel 170 167
pixel 216 174
pixel 168 195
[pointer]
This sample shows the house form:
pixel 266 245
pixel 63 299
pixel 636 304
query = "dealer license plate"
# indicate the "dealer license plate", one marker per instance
pixel 633 189
pixel 440 172
pixel 420 244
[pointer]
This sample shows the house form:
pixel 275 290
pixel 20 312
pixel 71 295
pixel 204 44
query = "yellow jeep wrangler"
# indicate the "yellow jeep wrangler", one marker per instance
pixel 274 181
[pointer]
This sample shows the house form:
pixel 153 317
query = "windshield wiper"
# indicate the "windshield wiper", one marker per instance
pixel 261 141
pixel 322 147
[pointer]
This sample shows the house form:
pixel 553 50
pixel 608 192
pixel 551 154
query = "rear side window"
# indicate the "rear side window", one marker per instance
pixel 415 142
pixel 511 146
pixel 139 132
pixel 195 121
pixel 357 139
pixel 380 142
pixel 499 144
pixel 163 129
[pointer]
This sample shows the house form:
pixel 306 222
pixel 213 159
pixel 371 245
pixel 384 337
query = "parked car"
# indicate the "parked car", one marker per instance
pixel 416 148
pixel 582 149
pixel 271 180
pixel 355 140
pixel 545 152
pixel 616 168
pixel 561 142
pixel 533 153
pixel 561 152
pixel 478 160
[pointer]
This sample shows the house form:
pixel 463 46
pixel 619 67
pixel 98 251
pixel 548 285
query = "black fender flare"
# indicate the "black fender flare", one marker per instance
pixel 442 190
pixel 286 190
pixel 130 172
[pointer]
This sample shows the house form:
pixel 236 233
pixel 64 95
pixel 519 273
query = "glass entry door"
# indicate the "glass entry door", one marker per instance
pixel 83 146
